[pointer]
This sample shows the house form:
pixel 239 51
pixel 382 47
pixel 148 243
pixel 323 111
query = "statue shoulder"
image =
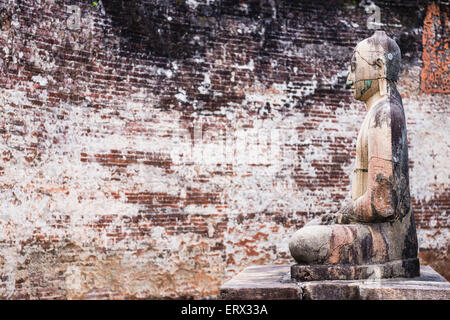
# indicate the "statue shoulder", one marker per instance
pixel 387 112
pixel 380 114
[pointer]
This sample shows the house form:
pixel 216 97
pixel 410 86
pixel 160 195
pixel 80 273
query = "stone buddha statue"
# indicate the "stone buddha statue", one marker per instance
pixel 374 235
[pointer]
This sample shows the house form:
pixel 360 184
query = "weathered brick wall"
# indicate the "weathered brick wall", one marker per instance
pixel 162 146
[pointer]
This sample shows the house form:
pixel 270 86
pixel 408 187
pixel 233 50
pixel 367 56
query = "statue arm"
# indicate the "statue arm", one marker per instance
pixel 378 203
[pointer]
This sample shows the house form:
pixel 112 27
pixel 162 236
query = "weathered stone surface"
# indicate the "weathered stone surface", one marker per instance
pixel 407 268
pixel 429 286
pixel 274 282
pixel 261 282
pixel 333 290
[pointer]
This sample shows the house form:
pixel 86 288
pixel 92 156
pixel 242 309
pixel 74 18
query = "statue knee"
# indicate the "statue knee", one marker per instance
pixel 310 245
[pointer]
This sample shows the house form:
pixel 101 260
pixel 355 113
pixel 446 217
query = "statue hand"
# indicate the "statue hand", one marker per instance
pixel 345 214
pixel 328 218
pixel 343 218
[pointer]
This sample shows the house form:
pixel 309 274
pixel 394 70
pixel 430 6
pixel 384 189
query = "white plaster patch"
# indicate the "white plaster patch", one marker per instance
pixel 73 278
pixel 41 80
pixel 10 258
pixel 249 66
pixel 436 238
pixel 181 95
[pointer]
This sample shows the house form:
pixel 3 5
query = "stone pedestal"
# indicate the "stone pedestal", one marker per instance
pixel 407 268
pixel 275 282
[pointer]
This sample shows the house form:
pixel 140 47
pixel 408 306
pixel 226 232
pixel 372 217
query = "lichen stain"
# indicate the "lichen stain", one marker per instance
pixel 436 58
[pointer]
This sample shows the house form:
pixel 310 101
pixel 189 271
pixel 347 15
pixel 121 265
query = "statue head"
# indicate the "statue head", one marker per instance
pixel 375 62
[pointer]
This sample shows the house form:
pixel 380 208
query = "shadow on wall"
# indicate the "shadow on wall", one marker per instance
pixel 181 29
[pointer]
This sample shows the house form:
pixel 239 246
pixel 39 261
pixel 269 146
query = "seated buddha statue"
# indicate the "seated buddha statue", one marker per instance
pixel 374 234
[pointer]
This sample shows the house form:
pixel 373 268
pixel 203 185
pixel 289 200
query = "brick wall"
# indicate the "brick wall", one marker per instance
pixel 156 148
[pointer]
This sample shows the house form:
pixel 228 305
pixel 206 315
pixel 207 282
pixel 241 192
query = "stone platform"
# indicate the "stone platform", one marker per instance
pixel 407 268
pixel 274 283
